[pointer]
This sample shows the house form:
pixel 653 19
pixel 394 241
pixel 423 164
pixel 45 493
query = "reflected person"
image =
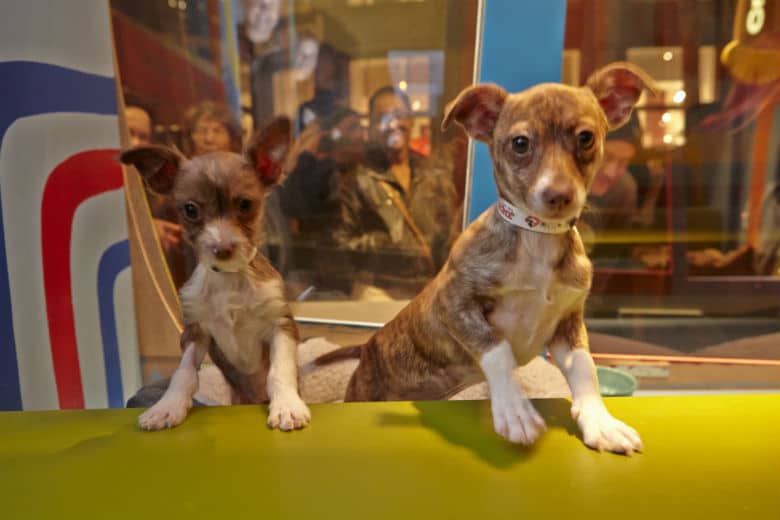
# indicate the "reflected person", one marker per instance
pixel 397 202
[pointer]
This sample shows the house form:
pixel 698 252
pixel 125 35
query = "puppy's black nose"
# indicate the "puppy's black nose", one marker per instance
pixel 557 199
pixel 223 253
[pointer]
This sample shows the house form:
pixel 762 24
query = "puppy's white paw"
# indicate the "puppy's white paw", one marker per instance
pixel 601 431
pixel 166 413
pixel 288 412
pixel 516 419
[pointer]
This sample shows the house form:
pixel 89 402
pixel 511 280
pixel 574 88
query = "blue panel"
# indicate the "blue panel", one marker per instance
pixel 522 46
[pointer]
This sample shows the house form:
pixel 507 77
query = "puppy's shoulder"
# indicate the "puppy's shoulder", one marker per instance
pixel 479 258
pixel 486 240
pixel 262 269
pixel 266 280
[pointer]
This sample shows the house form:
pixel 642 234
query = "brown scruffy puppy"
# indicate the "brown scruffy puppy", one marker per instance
pixel 517 278
pixel 234 305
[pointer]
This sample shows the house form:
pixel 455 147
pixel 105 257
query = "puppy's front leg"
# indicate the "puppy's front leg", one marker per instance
pixel 599 429
pixel 286 410
pixel 514 417
pixel 172 408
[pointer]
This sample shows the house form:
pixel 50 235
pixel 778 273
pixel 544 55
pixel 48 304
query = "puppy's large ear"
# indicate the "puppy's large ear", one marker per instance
pixel 157 165
pixel 617 88
pixel 268 149
pixel 476 109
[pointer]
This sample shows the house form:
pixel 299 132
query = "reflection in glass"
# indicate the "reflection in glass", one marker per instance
pixel 372 201
pixel 682 224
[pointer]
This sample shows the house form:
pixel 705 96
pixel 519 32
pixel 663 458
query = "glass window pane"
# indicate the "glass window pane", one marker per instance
pixel 682 226
pixel 373 191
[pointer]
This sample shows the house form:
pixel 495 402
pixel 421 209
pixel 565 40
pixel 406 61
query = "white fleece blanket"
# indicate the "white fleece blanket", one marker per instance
pixel 327 384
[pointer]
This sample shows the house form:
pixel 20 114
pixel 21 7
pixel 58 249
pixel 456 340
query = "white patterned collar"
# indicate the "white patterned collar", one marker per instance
pixel 524 219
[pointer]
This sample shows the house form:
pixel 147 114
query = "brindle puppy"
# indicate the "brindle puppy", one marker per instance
pixel 517 278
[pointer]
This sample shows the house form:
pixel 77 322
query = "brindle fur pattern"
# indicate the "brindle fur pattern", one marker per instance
pixel 501 282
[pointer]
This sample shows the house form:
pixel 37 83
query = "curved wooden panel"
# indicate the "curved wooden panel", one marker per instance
pixel 157 309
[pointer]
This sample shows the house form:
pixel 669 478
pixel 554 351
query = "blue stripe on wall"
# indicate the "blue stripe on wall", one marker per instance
pixel 522 46
pixel 31 88
pixel 10 391
pixel 115 259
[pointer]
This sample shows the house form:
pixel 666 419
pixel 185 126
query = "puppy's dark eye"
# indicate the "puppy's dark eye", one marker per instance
pixel 585 140
pixel 244 205
pixel 521 144
pixel 191 211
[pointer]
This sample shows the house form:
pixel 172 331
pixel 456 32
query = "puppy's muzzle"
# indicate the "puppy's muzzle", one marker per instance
pixel 223 248
pixel 223 253
pixel 558 199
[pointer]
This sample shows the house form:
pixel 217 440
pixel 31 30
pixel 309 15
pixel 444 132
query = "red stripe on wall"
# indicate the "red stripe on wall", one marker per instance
pixel 73 181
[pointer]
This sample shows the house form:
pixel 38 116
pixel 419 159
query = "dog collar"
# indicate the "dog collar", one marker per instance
pixel 521 218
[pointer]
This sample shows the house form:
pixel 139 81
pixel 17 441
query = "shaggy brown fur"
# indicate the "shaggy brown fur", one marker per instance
pixel 234 305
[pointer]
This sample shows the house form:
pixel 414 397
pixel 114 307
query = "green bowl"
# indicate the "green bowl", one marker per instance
pixel 614 382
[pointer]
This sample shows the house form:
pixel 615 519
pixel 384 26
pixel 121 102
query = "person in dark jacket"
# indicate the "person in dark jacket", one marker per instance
pixel 398 207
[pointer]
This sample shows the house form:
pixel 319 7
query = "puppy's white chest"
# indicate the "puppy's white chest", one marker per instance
pixel 529 308
pixel 235 313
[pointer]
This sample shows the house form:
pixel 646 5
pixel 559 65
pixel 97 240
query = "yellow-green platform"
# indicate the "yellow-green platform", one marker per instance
pixel 705 457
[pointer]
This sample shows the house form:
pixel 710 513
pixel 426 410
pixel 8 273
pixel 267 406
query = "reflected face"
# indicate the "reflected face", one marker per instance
pixel 349 138
pixel 306 58
pixel 389 125
pixel 617 155
pixel 139 125
pixel 209 135
pixel 261 18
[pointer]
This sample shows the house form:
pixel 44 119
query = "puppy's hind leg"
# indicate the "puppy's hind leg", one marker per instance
pixel 286 410
pixel 599 429
pixel 172 408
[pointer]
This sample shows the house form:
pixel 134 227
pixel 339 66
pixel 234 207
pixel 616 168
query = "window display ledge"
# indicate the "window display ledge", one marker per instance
pixel 711 456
